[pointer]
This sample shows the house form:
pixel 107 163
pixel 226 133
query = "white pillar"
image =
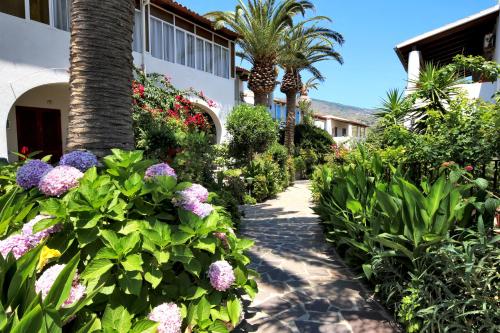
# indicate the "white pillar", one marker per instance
pixel 349 130
pixel 414 63
pixel 497 48
pixel 328 126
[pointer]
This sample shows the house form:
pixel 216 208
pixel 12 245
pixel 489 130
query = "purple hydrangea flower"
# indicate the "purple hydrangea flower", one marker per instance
pixel 199 208
pixel 59 180
pixel 47 279
pixel 169 317
pixel 19 244
pixel 195 192
pixel 162 169
pixel 82 160
pixel 193 199
pixel 221 275
pixel 30 174
pixel 36 238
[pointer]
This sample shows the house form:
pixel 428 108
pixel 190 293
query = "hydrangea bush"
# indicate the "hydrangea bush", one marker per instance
pixel 155 252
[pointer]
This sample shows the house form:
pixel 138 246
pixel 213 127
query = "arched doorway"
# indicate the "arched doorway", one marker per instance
pixel 38 120
pixel 212 118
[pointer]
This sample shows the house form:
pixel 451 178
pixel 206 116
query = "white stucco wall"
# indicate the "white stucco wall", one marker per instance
pixel 33 54
pixel 484 90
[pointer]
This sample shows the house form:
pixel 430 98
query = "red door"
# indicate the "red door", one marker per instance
pixel 39 130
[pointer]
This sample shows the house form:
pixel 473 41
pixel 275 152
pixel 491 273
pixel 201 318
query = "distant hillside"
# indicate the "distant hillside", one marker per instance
pixel 344 111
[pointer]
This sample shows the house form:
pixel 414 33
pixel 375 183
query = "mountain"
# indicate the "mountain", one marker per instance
pixel 344 111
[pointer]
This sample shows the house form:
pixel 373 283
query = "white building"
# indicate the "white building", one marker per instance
pixel 475 35
pixel 34 59
pixel 343 131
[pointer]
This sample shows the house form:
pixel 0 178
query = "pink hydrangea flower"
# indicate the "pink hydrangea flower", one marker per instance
pixel 60 180
pixel 169 317
pixel 36 238
pixel 193 199
pixel 19 244
pixel 195 192
pixel 161 169
pixel 221 275
pixel 47 279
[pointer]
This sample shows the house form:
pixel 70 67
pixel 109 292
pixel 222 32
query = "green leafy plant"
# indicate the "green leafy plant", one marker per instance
pixel 252 131
pixel 139 248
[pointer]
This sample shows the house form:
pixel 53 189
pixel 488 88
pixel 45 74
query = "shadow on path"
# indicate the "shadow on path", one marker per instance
pixel 304 287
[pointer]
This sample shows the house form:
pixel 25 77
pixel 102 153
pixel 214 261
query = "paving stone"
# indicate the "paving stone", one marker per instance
pixel 315 327
pixel 304 285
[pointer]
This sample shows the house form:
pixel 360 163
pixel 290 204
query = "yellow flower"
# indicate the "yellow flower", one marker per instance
pixel 46 255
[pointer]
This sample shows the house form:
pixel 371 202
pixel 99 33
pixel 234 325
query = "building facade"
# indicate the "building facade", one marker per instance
pixel 34 60
pixel 476 35
pixel 343 131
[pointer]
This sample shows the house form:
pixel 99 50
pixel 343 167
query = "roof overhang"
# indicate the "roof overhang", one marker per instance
pixel 347 121
pixel 465 36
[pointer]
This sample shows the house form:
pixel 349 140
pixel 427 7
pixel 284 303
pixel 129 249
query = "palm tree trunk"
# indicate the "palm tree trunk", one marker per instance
pixel 101 64
pixel 291 106
pixel 261 99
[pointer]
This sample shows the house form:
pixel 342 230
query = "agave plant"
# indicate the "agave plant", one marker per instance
pixel 303 47
pixel 261 25
pixel 394 107
pixel 434 90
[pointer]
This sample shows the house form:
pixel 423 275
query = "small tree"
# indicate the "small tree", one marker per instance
pixel 252 131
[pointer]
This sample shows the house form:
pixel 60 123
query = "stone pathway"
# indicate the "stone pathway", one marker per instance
pixel 304 286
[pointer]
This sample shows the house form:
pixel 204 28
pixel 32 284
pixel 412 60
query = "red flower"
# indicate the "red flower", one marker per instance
pixel 137 89
pixel 173 113
pixel 469 168
pixel 196 120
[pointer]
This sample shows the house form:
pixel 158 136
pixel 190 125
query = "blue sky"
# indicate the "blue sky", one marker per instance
pixel 371 30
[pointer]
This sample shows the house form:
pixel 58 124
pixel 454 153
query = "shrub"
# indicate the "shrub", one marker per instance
pixel 252 131
pixel 300 167
pixel 142 243
pixel 234 183
pixel 398 234
pixel 249 200
pixel 260 190
pixel 279 154
pixel 268 171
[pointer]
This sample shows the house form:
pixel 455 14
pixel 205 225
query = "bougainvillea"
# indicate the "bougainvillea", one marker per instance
pixel 47 279
pixel 169 317
pixel 30 174
pixel 60 180
pixel 161 169
pixel 82 160
pixel 221 275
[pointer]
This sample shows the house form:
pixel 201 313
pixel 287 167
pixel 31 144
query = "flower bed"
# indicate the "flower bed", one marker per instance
pixel 124 247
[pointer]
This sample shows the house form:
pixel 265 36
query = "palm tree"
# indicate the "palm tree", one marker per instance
pixel 304 47
pixel 310 84
pixel 261 25
pixel 101 75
